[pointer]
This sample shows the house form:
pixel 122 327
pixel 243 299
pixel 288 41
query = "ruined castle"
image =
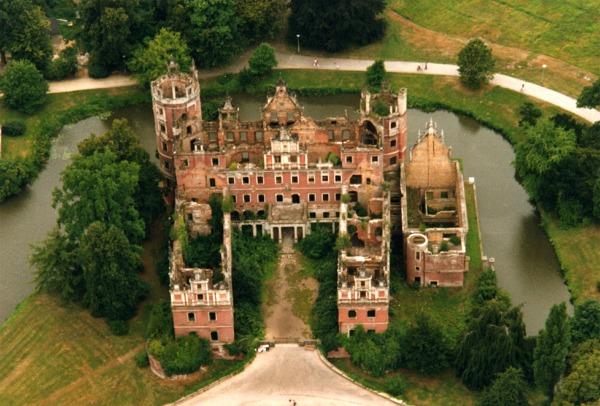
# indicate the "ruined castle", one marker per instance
pixel 286 172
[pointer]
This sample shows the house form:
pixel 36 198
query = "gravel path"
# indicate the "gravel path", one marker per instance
pixel 294 61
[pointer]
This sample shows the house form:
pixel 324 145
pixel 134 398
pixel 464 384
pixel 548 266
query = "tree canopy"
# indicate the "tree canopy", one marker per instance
pixel 337 24
pixel 585 324
pixel 508 389
pixel 150 62
pixel 24 33
pixel 590 96
pixel 262 60
pixel 552 347
pixel 582 384
pixel 98 188
pixel 475 64
pixel 24 86
pixel 425 348
pixel 376 73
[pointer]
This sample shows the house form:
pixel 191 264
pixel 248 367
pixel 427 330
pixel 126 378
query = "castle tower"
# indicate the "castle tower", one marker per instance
pixel 177 111
pixel 416 248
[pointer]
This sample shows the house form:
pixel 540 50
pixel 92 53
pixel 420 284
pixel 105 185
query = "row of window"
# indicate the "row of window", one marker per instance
pixel 212 316
pixel 312 197
pixel 352 313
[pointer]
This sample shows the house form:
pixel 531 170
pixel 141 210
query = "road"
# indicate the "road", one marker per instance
pixel 294 61
pixel 283 373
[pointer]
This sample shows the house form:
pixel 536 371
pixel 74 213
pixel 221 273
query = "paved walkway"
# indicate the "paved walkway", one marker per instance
pixel 283 373
pixel 294 61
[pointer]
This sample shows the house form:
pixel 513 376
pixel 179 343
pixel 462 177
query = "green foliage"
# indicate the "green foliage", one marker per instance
pixel 185 355
pixel 14 128
pixel 150 61
pixel 63 67
pixel 396 385
pixel 487 287
pixel 454 239
pixel 425 348
pixel 203 251
pixel 376 73
pixel 493 341
pixel 260 19
pixel 475 64
pixel 262 60
pixel 110 264
pixel 126 145
pixel 342 242
pixel 376 353
pixel 585 324
pixel 335 26
pixel 24 86
pixel 141 359
pixel 360 210
pixel 333 158
pixel 582 384
pixel 590 96
pixel 381 108
pixel 552 347
pixel 160 324
pixel 539 159
pixel 99 188
pixel 118 327
pixel 96 68
pixel 24 32
pixel 529 114
pixel 318 244
pixel 595 198
pixel 508 389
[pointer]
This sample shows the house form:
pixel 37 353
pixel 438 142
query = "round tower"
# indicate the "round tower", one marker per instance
pixel 177 107
pixel 416 247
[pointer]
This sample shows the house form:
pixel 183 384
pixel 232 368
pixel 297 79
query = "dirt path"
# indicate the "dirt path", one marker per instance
pixel 290 297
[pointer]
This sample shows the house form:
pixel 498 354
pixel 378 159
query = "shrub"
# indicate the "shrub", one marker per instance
pixel 454 239
pixel 96 69
pixel 24 86
pixel 444 246
pixel 376 73
pixel 141 359
pixel 118 327
pixel 360 210
pixel 63 67
pixel 14 128
pixel 396 385
pixel 185 355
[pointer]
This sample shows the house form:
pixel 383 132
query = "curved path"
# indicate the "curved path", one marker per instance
pixel 294 61
pixel 283 373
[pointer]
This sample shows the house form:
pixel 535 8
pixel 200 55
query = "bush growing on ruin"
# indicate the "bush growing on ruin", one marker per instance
pixel 475 64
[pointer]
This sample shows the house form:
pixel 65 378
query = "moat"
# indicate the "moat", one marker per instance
pixel 525 261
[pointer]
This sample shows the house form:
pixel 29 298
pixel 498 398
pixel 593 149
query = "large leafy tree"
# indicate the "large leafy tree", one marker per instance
pixel 508 389
pixel 112 286
pixel 582 384
pixel 150 62
pixel 24 86
pixel 425 348
pixel 125 144
pixel 585 324
pixel 260 18
pixel 552 347
pixel 335 25
pixel 540 159
pixel 590 96
pixel 262 60
pixel 475 64
pixel 24 33
pixel 493 341
pixel 98 188
pixel 213 34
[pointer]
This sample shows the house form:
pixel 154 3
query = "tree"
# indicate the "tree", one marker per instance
pixel 213 31
pixel 493 341
pixel 57 268
pixel 110 263
pixel 24 86
pixel 540 158
pixel 585 324
pixel 552 347
pixel 424 347
pixel 475 64
pixel 376 73
pixel 336 25
pixel 24 33
pixel 590 96
pixel 260 18
pixel 596 198
pixel 150 62
pixel 529 114
pixel 125 144
pixel 508 389
pixel 582 385
pixel 262 60
pixel 98 188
